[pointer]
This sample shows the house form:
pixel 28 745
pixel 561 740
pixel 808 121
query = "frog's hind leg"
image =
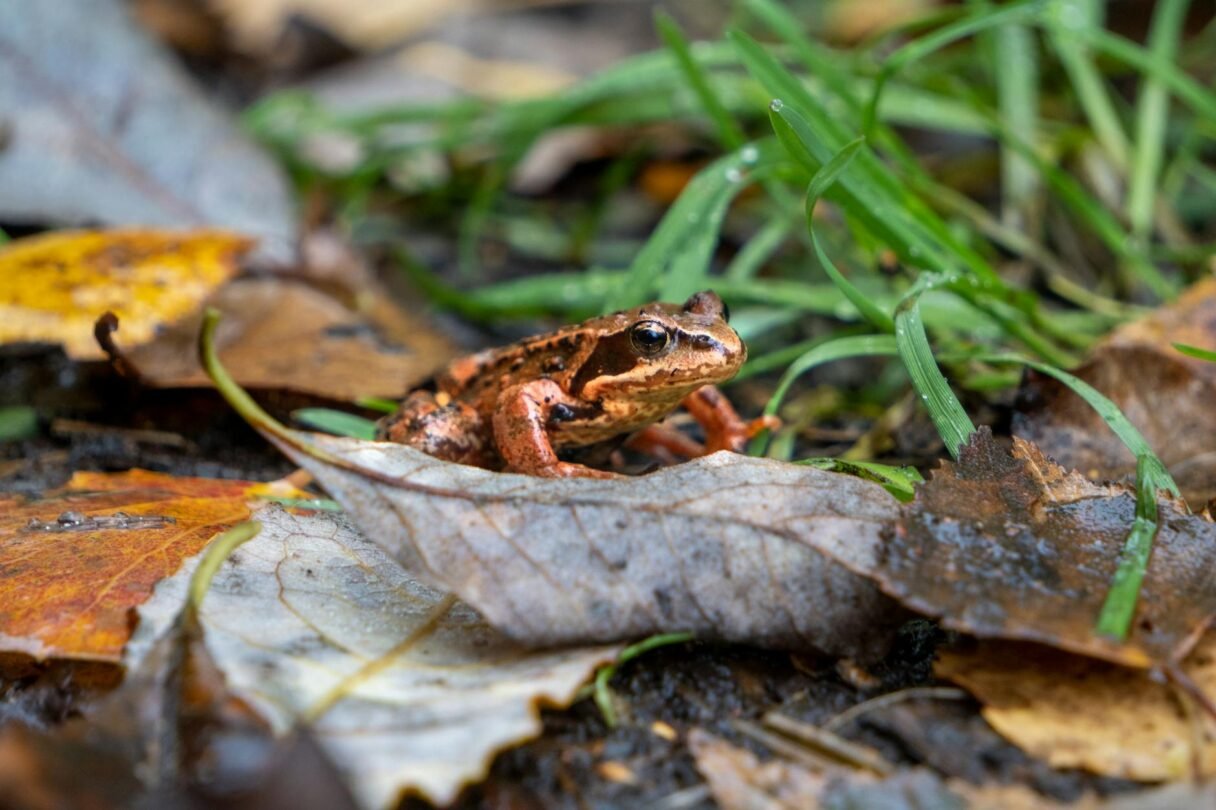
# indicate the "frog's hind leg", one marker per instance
pixel 452 431
pixel 724 430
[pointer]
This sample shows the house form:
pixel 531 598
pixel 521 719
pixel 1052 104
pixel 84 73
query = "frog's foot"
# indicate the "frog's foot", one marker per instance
pixel 521 431
pixel 724 430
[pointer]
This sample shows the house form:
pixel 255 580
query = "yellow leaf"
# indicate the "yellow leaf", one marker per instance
pixel 53 287
pixel 1074 712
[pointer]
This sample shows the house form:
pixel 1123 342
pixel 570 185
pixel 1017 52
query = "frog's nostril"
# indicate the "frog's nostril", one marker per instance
pixel 703 341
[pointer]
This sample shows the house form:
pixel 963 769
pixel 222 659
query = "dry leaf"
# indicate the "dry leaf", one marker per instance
pixel 103 126
pixel 1165 394
pixel 67 589
pixel 312 621
pixel 279 334
pixel 368 24
pixel 1011 546
pixel 1074 712
pixel 54 287
pixel 725 546
pixel 171 732
pixel 740 781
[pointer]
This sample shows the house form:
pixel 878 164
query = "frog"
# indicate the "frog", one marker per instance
pixel 520 408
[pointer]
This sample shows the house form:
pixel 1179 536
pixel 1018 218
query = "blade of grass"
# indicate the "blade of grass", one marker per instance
pixel 1188 90
pixel 760 248
pixel 338 423
pixel 602 694
pixel 1152 107
pixel 675 260
pixel 1196 352
pixel 1119 607
pixel 945 410
pixel 836 349
pixel 1151 477
pixel 377 404
pixel 899 481
pixel 872 195
pixel 1015 68
pixel 729 132
pixel 1013 13
pixel 821 182
pixel 1088 84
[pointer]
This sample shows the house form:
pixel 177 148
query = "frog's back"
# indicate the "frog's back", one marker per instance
pixel 479 378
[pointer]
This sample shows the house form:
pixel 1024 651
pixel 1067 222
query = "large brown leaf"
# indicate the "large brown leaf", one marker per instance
pixel 725 546
pixel 1010 545
pixel 1166 395
pixel 282 334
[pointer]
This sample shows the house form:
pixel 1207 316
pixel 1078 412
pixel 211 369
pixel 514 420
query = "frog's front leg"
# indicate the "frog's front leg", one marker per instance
pixel 724 430
pixel 521 430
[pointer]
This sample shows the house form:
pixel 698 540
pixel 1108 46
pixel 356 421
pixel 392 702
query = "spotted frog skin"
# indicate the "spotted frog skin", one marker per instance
pixel 517 407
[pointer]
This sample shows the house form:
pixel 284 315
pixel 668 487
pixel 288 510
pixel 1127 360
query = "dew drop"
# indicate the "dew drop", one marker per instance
pixel 776 104
pixel 733 175
pixel 749 155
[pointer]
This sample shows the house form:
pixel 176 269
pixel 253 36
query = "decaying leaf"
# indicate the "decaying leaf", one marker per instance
pixel 281 334
pixel 54 287
pixel 372 24
pixel 73 566
pixel 725 546
pixel 170 736
pixel 1075 712
pixel 310 621
pixel 1010 545
pixel 740 781
pixel 102 126
pixel 1166 395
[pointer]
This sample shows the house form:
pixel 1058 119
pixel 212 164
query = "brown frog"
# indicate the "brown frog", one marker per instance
pixel 516 407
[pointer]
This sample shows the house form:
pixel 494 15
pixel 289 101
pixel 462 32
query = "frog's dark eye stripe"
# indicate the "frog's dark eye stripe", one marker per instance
pixel 648 337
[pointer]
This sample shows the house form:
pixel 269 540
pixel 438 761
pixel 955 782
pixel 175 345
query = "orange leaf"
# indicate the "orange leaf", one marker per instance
pixel 53 287
pixel 68 591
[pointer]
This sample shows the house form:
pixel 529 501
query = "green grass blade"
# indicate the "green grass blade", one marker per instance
pixel 338 423
pixel 899 481
pixel 760 248
pixel 675 260
pixel 1087 82
pixel 945 410
pixel 1022 12
pixel 1151 477
pixel 1119 607
pixel 377 404
pixel 830 171
pixel 838 349
pixel 1015 68
pixel 1152 114
pixel 1188 90
pixel 18 422
pixel 820 183
pixel 1196 352
pixel 729 132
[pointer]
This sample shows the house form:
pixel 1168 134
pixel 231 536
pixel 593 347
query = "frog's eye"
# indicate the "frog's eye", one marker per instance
pixel 648 337
pixel 725 312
